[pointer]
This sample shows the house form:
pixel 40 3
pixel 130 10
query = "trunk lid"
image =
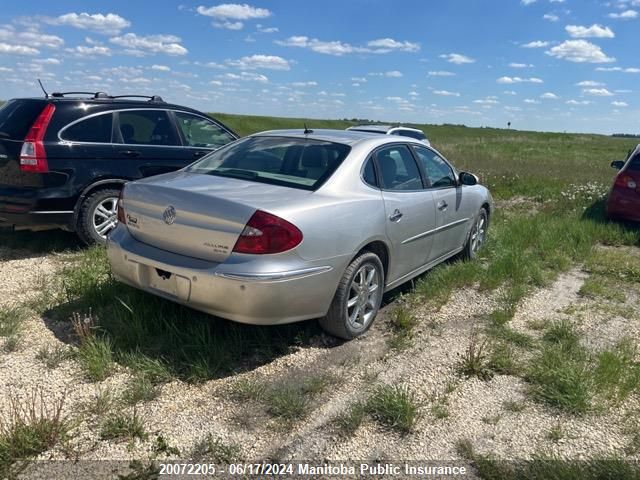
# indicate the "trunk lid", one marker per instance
pixel 198 215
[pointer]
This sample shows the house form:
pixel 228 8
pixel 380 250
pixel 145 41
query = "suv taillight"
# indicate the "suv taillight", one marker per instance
pixel 121 216
pixel 33 157
pixel 266 233
pixel 626 181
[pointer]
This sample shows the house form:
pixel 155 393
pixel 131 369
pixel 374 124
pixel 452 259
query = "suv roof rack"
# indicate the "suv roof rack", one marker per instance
pixel 104 95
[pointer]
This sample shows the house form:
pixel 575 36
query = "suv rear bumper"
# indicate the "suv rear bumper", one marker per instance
pixel 36 220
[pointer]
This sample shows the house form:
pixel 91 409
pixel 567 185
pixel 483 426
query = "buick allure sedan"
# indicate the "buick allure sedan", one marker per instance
pixel 291 225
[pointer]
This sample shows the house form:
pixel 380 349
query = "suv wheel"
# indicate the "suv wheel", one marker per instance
pixel 357 300
pixel 98 216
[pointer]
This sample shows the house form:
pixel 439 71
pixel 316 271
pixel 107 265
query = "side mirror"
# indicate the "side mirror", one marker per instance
pixel 467 178
pixel 617 164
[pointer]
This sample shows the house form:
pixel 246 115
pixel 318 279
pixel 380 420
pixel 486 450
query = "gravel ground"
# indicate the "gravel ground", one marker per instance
pixel 184 414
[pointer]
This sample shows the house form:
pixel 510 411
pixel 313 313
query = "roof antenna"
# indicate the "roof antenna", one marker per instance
pixel 46 95
pixel 307 131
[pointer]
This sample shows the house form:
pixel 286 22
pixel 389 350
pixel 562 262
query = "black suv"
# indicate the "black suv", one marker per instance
pixel 64 158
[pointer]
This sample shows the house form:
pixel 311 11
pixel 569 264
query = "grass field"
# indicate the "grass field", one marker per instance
pixel 549 219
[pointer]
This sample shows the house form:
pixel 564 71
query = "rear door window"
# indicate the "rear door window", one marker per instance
pixel 17 116
pixel 96 129
pixel 147 127
pixel 200 132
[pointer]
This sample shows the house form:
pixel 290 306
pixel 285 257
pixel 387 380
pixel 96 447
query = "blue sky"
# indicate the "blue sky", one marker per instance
pixel 559 65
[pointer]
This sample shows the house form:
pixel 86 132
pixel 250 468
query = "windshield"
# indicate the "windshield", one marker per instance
pixel 291 162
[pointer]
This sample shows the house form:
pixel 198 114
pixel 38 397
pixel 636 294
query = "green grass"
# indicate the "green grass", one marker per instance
pixel 394 406
pixel 217 450
pixel 597 286
pixel 513 407
pixel 140 389
pixel 350 420
pixel 52 357
pixel 11 320
pixel 403 323
pixel 96 358
pixel 123 426
pixel 473 362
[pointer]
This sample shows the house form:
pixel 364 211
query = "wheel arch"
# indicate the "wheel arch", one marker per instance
pixel 380 249
pixel 116 183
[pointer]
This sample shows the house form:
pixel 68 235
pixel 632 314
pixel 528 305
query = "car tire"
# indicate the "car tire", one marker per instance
pixel 347 322
pixel 477 235
pixel 98 216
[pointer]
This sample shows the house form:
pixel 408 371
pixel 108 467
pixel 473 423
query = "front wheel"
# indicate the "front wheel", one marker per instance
pixel 357 299
pixel 98 215
pixel 477 235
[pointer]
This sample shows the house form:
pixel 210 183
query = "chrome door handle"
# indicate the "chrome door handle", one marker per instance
pixel 396 215
pixel 442 205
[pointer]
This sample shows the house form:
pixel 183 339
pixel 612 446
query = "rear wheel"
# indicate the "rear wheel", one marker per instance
pixel 98 216
pixel 477 235
pixel 357 299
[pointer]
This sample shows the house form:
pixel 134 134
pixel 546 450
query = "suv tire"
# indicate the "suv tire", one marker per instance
pixel 98 216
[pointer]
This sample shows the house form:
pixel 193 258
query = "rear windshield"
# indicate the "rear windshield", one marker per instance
pixel 410 133
pixel 291 162
pixel 634 163
pixel 16 117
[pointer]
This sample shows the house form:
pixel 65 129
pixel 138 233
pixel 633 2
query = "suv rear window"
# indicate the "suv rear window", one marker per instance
pixel 17 116
pixel 95 129
pixel 410 133
pixel 291 162
pixel 634 163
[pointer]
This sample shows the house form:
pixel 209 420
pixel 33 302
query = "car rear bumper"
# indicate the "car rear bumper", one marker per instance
pixel 36 220
pixel 624 204
pixel 246 292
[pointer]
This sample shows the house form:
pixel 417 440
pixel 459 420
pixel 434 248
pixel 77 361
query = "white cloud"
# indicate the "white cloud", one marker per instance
pixel 17 49
pixel 304 84
pixel 589 83
pixel 384 45
pixel 48 61
pixel 160 68
pixel 536 44
pixel 619 104
pixel 457 58
pixel 254 62
pixel 549 96
pixel 597 92
pixel 578 102
pixel 509 92
pixel 618 69
pixel 552 17
pixel 391 74
pixel 531 101
pixel 109 24
pixel 246 76
pixel 234 11
pixel 487 101
pixel 528 2
pixel 626 15
pixel 520 65
pixel 167 44
pixel 440 73
pixel 338 48
pixel 84 51
pixel 446 93
pixel 579 51
pixel 595 31
pixel 359 79
pixel 262 29
pixel 229 25
pixel 29 38
pixel 512 80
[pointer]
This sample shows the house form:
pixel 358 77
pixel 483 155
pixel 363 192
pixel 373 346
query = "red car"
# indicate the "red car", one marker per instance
pixel 624 197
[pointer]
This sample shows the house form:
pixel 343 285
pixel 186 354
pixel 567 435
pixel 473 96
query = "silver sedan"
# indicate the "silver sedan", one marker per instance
pixel 291 225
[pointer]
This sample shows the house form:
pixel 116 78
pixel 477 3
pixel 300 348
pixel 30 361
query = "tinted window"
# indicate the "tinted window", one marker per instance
pixel 17 116
pixel 369 174
pixel 147 127
pixel 438 171
pixel 200 132
pixel 398 169
pixel 93 129
pixel 291 162
pixel 634 163
pixel 411 133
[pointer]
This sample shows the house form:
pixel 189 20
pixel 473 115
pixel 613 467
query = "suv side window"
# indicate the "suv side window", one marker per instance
pixel 438 171
pixel 200 132
pixel 398 169
pixel 96 129
pixel 147 127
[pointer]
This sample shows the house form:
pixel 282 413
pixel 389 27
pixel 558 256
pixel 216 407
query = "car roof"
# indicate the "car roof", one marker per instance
pixel 347 137
pixel 382 128
pixel 118 102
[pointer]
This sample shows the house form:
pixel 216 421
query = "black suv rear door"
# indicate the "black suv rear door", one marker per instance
pixel 147 139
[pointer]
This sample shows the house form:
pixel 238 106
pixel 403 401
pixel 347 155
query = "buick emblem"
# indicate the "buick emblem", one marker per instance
pixel 169 215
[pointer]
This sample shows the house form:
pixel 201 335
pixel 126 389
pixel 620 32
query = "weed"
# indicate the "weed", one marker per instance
pixel 95 357
pixel 616 375
pixel 102 403
pixel 491 419
pixel 288 402
pixel 245 389
pixel 598 287
pixel 217 450
pixel 162 447
pixel 394 406
pixel 12 343
pixel 11 320
pixel 154 370
pixel 140 389
pixel 556 433
pixel 439 410
pixel 473 361
pixel 514 407
pixel 52 357
pixel 123 426
pixel 403 322
pixel 349 421
pixel 502 359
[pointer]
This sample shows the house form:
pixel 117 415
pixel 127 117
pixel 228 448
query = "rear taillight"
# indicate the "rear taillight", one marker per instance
pixel 121 215
pixel 266 233
pixel 33 157
pixel 626 181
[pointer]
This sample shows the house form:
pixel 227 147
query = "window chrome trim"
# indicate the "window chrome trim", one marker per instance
pixel 166 110
pixel 434 231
